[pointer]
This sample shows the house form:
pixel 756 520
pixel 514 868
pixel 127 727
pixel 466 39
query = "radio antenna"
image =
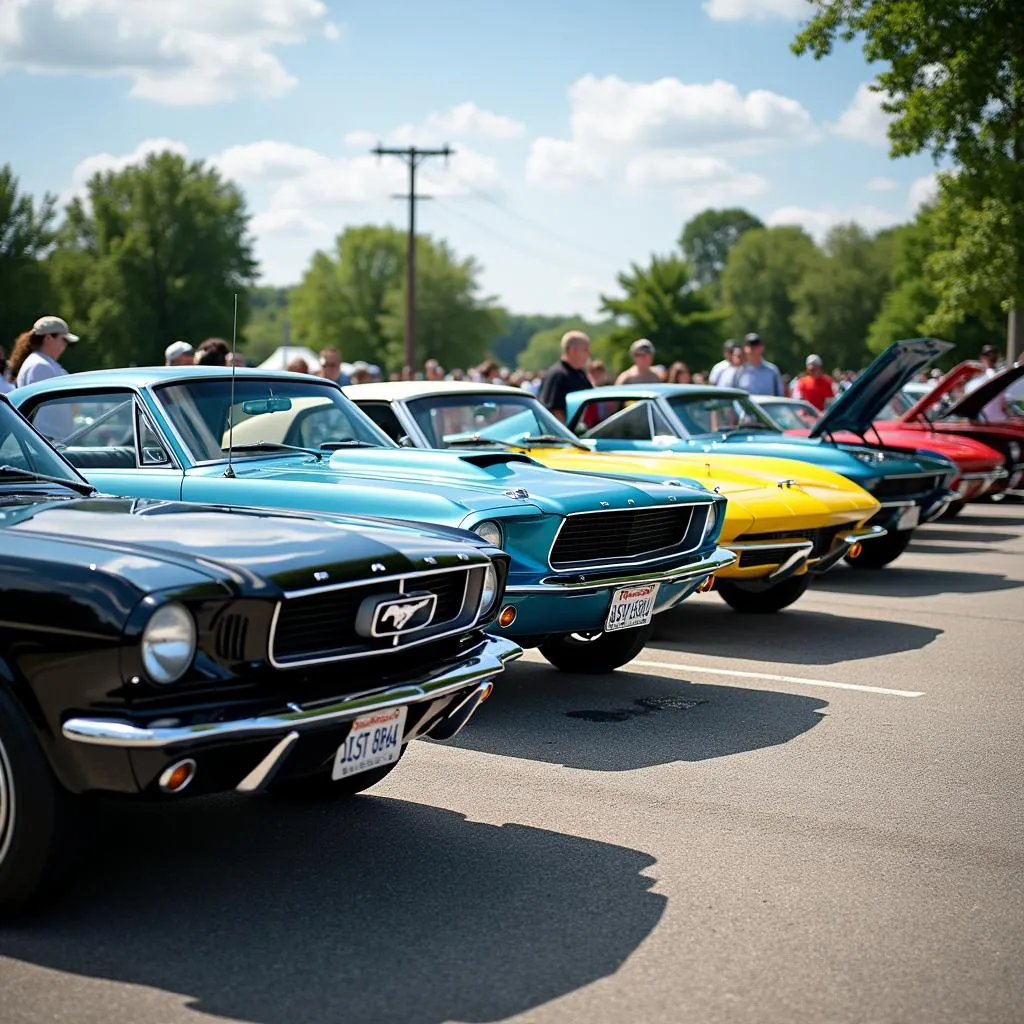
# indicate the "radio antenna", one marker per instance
pixel 229 472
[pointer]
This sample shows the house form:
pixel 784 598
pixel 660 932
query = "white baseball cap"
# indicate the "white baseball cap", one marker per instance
pixel 176 349
pixel 53 325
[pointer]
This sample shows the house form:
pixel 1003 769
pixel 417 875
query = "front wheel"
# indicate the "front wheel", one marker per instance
pixel 875 554
pixel 763 602
pixel 323 787
pixel 593 653
pixel 35 815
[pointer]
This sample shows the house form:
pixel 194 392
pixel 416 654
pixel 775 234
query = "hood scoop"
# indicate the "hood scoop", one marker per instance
pixel 485 459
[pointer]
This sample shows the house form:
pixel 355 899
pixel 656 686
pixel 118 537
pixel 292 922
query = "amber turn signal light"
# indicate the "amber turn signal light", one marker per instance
pixel 177 776
pixel 706 585
pixel 507 616
pixel 855 550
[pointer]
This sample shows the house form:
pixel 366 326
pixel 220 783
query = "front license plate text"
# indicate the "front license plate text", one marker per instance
pixel 631 607
pixel 375 740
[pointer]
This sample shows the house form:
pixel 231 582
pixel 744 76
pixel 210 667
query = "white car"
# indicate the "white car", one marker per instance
pixel 788 413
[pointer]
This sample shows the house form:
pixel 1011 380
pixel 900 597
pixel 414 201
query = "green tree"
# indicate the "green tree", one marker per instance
pixel 25 238
pixel 708 238
pixel 760 284
pixel 354 299
pixel 268 322
pixel 153 253
pixel 661 303
pixel 841 294
pixel 544 348
pixel 953 79
pixel 519 329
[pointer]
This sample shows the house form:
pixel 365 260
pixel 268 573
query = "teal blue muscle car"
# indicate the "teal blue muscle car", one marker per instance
pixel 593 559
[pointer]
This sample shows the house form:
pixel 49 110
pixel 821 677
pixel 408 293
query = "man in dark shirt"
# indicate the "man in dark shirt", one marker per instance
pixel 568 374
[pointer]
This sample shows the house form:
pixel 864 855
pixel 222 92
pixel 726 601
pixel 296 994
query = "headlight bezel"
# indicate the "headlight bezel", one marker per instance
pixel 489 592
pixel 492 527
pixel 167 649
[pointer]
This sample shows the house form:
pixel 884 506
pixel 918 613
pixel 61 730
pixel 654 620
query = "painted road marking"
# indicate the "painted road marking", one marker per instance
pixel 667 665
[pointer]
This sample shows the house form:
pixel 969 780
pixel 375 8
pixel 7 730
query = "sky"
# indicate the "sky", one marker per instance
pixel 585 132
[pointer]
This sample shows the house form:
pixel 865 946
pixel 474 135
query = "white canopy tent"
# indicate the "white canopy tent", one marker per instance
pixel 284 354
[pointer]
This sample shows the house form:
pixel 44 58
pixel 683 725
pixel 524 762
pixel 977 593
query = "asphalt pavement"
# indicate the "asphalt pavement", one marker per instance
pixel 816 816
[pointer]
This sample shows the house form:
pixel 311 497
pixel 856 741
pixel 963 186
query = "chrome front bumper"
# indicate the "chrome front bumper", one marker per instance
pixel 800 553
pixel 988 481
pixel 488 660
pixel 586 582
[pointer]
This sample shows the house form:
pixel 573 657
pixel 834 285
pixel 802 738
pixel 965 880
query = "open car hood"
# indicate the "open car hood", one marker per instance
pixel 971 405
pixel 856 408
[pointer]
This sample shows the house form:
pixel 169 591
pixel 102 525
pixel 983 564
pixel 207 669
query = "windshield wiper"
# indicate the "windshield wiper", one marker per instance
pixel 275 446
pixel 557 439
pixel 475 440
pixel 351 442
pixel 14 473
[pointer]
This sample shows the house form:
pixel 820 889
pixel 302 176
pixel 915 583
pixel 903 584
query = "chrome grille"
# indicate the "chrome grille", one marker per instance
pixel 822 540
pixel 893 488
pixel 230 634
pixel 321 626
pixel 601 539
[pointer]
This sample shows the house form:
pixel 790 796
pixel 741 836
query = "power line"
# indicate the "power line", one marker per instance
pixel 413 157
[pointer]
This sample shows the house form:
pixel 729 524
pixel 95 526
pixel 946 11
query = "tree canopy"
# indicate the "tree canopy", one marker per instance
pixel 544 348
pixel 708 238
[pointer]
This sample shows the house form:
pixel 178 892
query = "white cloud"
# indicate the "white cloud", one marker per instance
pixel 864 120
pixel 921 191
pixel 466 120
pixel 756 10
pixel 616 126
pixel 177 52
pixel 881 184
pixel 100 163
pixel 818 222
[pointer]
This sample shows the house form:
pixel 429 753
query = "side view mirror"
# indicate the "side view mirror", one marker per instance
pixel 153 456
pixel 405 441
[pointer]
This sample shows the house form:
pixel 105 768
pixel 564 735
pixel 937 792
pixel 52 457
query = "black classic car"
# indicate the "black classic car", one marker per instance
pixel 162 650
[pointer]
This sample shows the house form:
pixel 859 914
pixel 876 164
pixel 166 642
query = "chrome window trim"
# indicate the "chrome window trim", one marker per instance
pixel 612 565
pixel 401 577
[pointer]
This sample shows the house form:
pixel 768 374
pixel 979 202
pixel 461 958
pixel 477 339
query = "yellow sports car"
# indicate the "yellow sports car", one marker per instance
pixel 787 521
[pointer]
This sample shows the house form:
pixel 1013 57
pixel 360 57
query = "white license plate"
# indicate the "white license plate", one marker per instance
pixel 631 607
pixel 910 518
pixel 375 740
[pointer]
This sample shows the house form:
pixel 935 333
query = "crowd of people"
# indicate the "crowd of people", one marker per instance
pixel 36 355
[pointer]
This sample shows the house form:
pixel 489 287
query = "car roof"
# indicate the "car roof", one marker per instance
pixel 657 391
pixel 405 389
pixel 146 376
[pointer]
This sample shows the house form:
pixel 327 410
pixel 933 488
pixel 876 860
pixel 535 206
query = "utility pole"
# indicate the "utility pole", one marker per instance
pixel 413 158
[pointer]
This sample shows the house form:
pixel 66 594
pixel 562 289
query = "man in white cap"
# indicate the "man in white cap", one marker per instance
pixel 179 353
pixel 642 371
pixel 47 342
pixel 815 386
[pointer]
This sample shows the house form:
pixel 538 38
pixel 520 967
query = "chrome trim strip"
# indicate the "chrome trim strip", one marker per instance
pixel 402 577
pixel 790 566
pixel 267 768
pixel 994 474
pixel 755 545
pixel 488 660
pixel 668 552
pixel 458 717
pixel 721 559
pixel 308 591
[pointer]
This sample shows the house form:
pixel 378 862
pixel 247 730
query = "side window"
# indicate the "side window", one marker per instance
pixel 659 423
pixel 323 422
pixel 592 413
pixel 94 431
pixel 631 424
pixel 384 416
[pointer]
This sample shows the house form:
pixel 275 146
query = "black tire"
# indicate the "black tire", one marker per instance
pixel 595 653
pixel 763 602
pixel 954 510
pixel 323 787
pixel 876 554
pixel 36 816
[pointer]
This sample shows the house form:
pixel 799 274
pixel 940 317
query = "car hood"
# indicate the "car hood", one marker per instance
pixel 856 408
pixel 971 405
pixel 477 481
pixel 156 544
pixel 967 453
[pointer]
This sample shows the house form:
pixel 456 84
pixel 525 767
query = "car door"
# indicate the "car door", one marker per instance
pixel 110 438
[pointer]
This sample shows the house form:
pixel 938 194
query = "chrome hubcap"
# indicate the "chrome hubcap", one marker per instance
pixel 6 804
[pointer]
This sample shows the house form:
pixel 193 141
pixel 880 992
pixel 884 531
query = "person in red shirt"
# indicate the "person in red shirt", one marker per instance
pixel 815 386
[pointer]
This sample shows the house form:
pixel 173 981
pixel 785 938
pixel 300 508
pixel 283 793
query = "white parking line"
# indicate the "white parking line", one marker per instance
pixel 671 666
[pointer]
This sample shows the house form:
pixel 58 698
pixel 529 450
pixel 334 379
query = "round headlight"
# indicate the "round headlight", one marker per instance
pixel 168 643
pixel 712 522
pixel 489 591
pixel 490 532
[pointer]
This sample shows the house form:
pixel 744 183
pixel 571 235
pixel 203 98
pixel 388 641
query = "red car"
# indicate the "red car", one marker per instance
pixel 980 466
pixel 945 409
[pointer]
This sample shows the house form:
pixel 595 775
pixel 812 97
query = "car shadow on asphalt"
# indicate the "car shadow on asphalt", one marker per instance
pixel 968 519
pixel 626 720
pixel 931 533
pixel 920 548
pixel 372 910
pixel 796 635
pixel 896 581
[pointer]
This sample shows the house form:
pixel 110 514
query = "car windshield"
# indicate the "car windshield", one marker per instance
pixel 791 415
pixel 21 448
pixel 266 412
pixel 713 414
pixel 451 420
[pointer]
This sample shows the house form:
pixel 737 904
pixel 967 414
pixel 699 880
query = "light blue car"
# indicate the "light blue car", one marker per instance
pixel 593 559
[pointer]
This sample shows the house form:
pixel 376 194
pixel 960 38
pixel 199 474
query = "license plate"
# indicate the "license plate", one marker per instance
pixel 909 518
pixel 375 740
pixel 631 607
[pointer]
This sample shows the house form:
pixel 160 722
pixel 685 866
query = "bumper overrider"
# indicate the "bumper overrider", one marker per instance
pixel 798 555
pixel 246 752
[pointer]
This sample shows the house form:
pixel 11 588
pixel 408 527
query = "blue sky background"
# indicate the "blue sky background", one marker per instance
pixel 270 89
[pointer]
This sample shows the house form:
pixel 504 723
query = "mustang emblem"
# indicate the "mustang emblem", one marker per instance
pixel 400 614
